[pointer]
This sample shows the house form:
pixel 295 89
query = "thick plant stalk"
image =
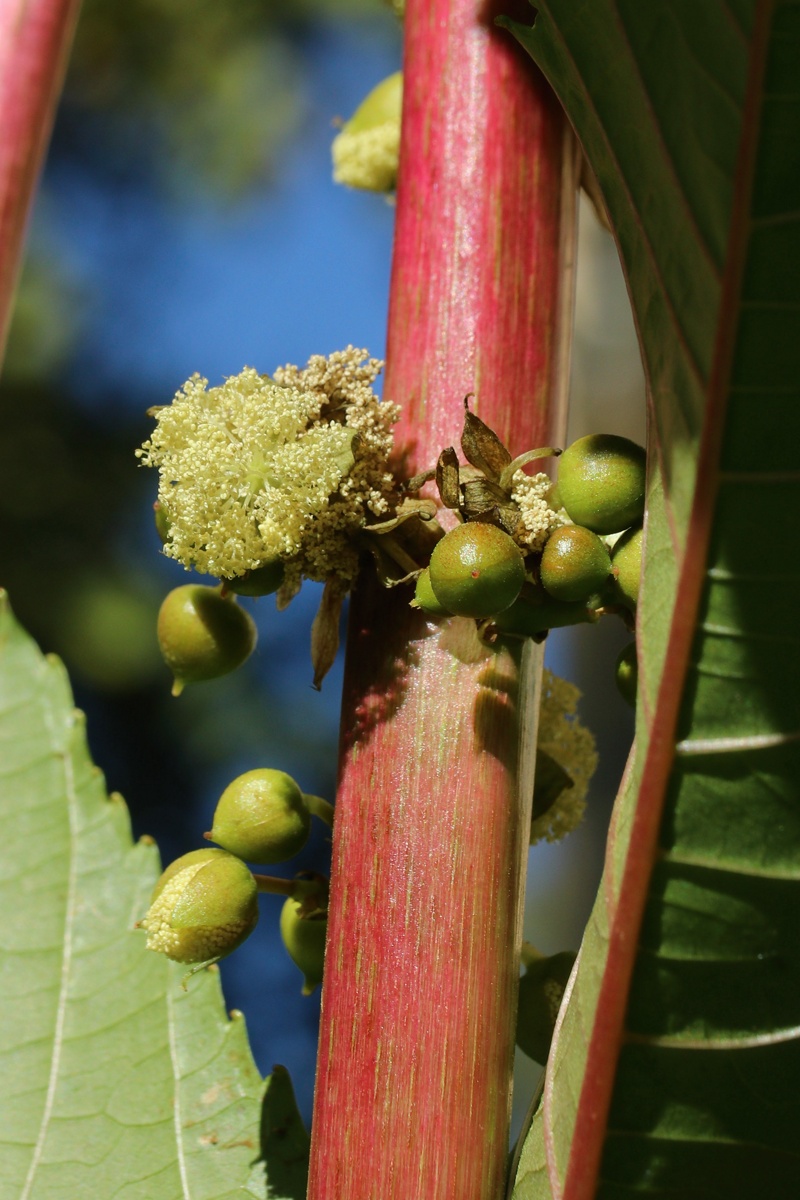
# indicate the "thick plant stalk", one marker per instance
pixel 35 36
pixel 432 816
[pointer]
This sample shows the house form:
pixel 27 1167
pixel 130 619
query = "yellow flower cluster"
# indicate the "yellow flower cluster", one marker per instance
pixel 288 467
pixel 529 493
pixel 572 745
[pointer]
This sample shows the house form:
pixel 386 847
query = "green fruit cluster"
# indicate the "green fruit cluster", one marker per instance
pixel 204 904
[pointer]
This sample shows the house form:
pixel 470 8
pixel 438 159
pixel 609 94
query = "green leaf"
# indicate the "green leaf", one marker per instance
pixel 675 1068
pixel 115 1081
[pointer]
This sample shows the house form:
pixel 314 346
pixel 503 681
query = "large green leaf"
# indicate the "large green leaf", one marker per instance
pixel 114 1081
pixel 675 1069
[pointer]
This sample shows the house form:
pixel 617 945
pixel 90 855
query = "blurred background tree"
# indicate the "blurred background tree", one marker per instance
pixel 187 222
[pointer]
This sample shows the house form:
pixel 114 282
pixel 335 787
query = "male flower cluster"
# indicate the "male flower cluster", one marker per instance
pixel 286 468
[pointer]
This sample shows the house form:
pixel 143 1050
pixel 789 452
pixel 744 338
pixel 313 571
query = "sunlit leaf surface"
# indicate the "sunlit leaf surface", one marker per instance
pixel 114 1082
pixel 675 1071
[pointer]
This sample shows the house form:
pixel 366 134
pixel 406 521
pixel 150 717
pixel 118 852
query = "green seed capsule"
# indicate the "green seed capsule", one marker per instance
pixel 262 817
pixel 476 570
pixel 529 617
pixel 626 673
pixel 304 938
pixel 365 153
pixel 204 905
pixel 601 482
pixel 262 581
pixel 541 990
pixel 202 635
pixel 574 563
pixel 425 597
pixel 626 566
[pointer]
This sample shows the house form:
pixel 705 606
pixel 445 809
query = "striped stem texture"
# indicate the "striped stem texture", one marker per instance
pixel 431 822
pixel 35 37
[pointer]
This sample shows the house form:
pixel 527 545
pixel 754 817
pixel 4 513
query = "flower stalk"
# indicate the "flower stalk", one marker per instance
pixel 434 807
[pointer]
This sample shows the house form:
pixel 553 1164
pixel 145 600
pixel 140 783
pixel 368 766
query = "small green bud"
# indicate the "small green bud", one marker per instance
pixel 601 482
pixel 425 597
pixel 626 566
pixel 163 522
pixel 541 990
pixel 262 817
pixel 262 581
pixel 574 563
pixel 626 673
pixel 202 635
pixel 204 905
pixel 476 570
pixel 304 937
pixel 366 151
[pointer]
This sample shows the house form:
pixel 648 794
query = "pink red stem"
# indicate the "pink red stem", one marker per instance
pixel 430 835
pixel 35 36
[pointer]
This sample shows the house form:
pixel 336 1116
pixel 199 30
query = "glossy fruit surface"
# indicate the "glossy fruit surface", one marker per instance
pixel 575 563
pixel 202 635
pixel 425 596
pixel 626 566
pixel 626 673
pixel 476 570
pixel 601 482
pixel 304 938
pixel 262 581
pixel 262 817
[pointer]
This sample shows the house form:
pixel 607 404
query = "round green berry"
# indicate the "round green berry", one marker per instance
pixel 262 817
pixel 304 938
pixel 425 597
pixel 626 673
pixel 574 563
pixel 601 482
pixel 626 566
pixel 202 635
pixel 261 581
pixel 476 570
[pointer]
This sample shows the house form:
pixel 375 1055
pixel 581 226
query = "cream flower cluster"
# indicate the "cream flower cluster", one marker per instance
pixel 529 493
pixel 572 745
pixel 289 468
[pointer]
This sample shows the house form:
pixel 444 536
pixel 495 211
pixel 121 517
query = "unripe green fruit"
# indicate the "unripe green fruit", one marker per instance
pixel 383 103
pixel 626 673
pixel 262 581
pixel 527 618
pixel 476 570
pixel 262 817
pixel 626 566
pixel 204 905
pixel 202 635
pixel 574 563
pixel 304 938
pixel 541 989
pixel 425 597
pixel 601 482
